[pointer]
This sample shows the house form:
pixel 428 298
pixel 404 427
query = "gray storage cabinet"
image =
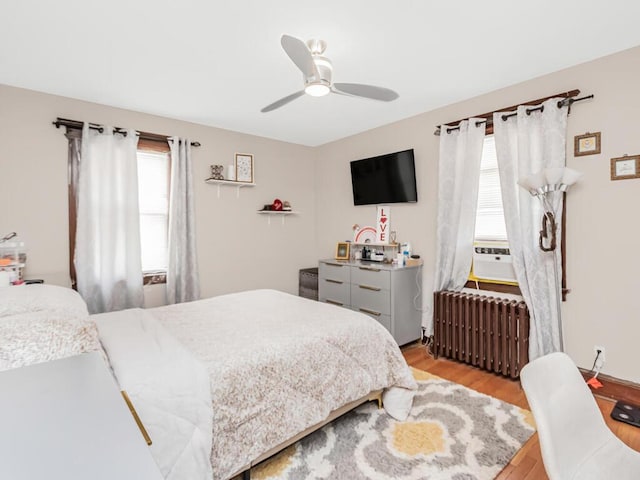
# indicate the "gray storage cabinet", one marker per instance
pixel 391 295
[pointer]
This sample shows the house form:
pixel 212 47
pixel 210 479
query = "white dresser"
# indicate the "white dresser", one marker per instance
pixel 390 294
pixel 66 420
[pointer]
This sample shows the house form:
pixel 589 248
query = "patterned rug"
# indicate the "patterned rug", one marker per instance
pixel 453 432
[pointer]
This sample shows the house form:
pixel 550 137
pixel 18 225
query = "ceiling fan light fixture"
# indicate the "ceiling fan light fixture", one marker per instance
pixel 317 89
pixel 317 73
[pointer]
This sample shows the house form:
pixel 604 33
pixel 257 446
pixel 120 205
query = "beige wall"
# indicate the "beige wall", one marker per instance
pixel 236 247
pixel 603 224
pixel 238 250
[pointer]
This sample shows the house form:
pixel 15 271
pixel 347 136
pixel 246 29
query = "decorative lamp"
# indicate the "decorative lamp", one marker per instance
pixel 553 176
pixel 543 185
pixel 534 183
pixel 570 177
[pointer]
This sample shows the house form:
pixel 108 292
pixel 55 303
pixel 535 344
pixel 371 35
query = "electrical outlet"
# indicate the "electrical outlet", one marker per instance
pixel 602 358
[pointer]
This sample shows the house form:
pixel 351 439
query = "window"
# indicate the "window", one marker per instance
pixel 153 200
pixel 154 169
pixel 490 225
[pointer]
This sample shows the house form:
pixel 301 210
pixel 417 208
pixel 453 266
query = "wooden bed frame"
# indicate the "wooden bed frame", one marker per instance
pixel 245 471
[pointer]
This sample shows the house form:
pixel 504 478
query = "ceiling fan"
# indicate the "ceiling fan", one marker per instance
pixel 317 72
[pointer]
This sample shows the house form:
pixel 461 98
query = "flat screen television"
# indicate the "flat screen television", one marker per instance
pixel 389 178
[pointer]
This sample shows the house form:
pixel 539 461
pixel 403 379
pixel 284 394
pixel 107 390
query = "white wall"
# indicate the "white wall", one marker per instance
pixel 603 223
pixel 237 249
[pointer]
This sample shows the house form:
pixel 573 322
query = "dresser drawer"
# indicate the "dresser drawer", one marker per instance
pixel 384 320
pixel 371 298
pixel 334 271
pixel 371 277
pixel 334 291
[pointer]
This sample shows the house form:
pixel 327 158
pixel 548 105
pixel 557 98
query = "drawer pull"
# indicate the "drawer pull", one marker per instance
pixel 333 281
pixel 333 302
pixel 369 269
pixel 367 287
pixel 334 264
pixel 370 312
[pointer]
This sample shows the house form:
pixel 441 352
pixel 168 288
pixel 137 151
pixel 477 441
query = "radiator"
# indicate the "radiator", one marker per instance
pixel 487 332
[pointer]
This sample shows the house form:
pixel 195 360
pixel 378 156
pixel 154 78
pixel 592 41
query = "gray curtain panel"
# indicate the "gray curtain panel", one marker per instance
pixel 183 283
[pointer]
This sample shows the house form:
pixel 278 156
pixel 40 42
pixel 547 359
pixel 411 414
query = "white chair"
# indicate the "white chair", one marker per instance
pixel 574 438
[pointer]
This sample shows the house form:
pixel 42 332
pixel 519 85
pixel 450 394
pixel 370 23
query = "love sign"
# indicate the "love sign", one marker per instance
pixel 383 224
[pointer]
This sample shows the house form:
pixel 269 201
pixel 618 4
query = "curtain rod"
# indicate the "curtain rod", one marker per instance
pixel 76 124
pixel 567 101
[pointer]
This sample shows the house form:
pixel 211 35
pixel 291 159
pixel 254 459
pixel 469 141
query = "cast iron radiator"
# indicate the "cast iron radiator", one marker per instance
pixel 487 332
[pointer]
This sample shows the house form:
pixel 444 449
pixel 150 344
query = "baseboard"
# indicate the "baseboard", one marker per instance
pixel 614 388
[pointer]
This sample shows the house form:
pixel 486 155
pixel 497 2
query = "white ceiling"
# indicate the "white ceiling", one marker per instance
pixel 218 62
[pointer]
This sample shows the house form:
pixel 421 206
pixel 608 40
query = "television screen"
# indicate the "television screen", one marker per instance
pixel 389 178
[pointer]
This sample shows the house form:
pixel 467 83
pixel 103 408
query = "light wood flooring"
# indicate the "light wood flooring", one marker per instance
pixel 527 463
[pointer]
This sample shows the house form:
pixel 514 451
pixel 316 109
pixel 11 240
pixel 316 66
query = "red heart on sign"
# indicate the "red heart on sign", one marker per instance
pixel 383 219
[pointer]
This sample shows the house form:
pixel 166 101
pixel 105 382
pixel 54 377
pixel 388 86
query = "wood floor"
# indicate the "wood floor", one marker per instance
pixel 527 464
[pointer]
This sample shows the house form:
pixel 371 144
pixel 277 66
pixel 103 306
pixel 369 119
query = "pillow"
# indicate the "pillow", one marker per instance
pixel 37 337
pixel 35 298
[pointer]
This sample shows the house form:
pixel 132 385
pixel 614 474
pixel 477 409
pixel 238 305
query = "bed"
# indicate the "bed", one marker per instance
pixel 222 383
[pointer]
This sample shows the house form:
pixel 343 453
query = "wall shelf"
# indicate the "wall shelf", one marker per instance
pixel 229 183
pixel 283 214
pixel 371 244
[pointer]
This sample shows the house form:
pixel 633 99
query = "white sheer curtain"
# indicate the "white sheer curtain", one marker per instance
pixel 182 272
pixel 107 255
pixel 458 180
pixel 526 144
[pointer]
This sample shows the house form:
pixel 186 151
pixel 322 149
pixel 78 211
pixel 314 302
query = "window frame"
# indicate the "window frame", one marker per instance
pixel 489 239
pixel 158 276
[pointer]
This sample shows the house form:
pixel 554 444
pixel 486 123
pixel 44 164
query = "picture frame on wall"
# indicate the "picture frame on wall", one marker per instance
pixel 244 167
pixel 342 251
pixel 587 144
pixel 625 167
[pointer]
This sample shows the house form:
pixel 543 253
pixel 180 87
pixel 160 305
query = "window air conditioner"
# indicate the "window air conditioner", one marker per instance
pixel 493 262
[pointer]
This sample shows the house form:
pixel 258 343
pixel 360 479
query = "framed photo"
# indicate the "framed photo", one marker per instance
pixel 244 167
pixel 587 144
pixel 625 167
pixel 342 251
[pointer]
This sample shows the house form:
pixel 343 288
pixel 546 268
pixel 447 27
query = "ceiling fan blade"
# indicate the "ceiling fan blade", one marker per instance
pixel 282 101
pixel 335 90
pixel 367 91
pixel 300 54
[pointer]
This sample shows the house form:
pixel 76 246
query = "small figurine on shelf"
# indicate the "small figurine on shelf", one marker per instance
pixel 216 172
pixel 286 206
pixel 277 205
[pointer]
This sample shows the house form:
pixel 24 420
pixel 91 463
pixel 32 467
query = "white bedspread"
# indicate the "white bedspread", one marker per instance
pixel 275 364
pixel 169 389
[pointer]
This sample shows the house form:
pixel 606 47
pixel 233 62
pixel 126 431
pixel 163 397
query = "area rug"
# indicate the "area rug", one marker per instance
pixel 452 433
